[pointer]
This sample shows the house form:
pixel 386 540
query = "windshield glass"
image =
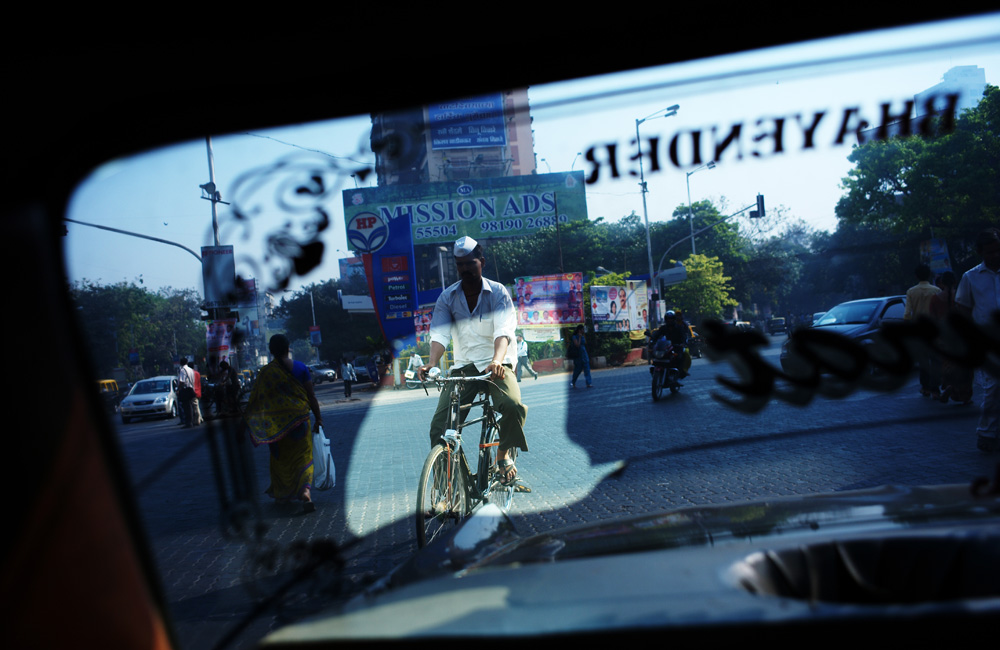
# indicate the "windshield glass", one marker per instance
pixel 144 387
pixel 850 314
pixel 478 233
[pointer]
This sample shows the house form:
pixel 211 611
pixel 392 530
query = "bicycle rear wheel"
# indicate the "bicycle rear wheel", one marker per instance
pixel 442 498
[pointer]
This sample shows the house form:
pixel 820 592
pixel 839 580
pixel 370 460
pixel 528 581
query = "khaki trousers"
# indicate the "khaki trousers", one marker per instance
pixel 506 396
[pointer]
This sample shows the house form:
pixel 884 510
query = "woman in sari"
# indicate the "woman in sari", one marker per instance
pixel 278 416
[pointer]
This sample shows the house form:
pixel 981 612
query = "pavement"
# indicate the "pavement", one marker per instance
pixel 594 455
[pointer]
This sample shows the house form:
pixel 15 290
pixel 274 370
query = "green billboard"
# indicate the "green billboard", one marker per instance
pixel 482 208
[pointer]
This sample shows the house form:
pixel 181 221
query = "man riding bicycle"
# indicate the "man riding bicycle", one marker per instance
pixel 477 314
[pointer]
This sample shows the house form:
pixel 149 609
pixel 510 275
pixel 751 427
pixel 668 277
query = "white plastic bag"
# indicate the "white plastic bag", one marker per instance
pixel 324 471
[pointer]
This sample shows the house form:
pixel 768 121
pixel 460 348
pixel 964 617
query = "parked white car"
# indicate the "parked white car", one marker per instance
pixel 156 396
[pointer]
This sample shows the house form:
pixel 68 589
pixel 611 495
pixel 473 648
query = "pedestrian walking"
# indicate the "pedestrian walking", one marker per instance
pixel 581 360
pixel 522 358
pixel 978 296
pixel 231 387
pixel 918 303
pixel 348 375
pixel 278 416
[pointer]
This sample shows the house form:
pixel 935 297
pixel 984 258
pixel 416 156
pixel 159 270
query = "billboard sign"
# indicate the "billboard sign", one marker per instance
pixel 358 303
pixel 482 208
pixel 218 271
pixel 541 334
pixel 219 340
pixel 387 254
pixel 638 304
pixel 466 123
pixel 546 301
pixel 619 309
pixel 246 294
pixel 934 253
pixel 351 266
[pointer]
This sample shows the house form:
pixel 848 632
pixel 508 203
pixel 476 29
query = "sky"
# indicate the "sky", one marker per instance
pixel 157 193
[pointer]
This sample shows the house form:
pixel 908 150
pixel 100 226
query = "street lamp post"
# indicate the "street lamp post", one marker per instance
pixel 666 112
pixel 710 165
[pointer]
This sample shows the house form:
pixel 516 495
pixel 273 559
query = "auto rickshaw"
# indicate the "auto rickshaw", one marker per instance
pixel 108 388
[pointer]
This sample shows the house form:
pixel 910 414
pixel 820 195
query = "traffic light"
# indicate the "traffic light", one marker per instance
pixel 759 212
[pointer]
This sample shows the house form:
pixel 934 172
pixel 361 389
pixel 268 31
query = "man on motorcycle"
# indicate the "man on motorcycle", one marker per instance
pixel 677 332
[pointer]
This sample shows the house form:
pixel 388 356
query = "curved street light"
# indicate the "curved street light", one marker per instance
pixel 666 112
pixel 709 165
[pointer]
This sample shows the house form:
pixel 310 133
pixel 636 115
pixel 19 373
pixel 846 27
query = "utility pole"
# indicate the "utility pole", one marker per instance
pixel 213 193
pixel 210 192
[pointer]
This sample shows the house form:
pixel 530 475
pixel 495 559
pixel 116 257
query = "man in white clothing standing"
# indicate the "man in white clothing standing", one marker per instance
pixel 978 296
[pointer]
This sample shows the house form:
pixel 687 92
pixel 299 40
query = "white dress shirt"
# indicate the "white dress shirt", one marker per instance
pixel 185 377
pixel 475 332
pixel 979 290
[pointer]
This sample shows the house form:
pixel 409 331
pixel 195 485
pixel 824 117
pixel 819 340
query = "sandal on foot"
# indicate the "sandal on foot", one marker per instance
pixel 504 477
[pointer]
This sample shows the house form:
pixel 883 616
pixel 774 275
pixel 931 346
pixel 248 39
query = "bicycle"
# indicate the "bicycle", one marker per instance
pixel 449 491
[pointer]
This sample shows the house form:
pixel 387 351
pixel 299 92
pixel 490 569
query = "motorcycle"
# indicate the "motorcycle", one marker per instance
pixel 411 380
pixel 665 367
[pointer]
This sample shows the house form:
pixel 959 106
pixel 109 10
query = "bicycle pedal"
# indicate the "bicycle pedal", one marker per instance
pixel 521 487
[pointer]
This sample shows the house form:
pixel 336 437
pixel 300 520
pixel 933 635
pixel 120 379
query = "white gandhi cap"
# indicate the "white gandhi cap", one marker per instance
pixel 464 246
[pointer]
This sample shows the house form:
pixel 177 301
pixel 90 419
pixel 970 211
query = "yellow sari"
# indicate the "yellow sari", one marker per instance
pixel 278 416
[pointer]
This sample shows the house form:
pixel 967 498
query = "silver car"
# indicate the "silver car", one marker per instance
pixel 321 373
pixel 156 396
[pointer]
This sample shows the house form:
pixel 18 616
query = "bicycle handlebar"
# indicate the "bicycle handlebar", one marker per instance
pixel 440 381
pixel 481 377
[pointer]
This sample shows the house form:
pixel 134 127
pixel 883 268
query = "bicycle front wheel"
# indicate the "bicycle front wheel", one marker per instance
pixel 442 498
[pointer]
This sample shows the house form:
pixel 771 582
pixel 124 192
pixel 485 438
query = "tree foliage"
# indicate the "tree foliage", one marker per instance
pixel 944 187
pixel 343 333
pixel 770 272
pixel 161 325
pixel 705 293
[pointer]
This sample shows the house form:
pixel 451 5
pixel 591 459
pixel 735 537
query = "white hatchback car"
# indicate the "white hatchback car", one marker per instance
pixel 156 396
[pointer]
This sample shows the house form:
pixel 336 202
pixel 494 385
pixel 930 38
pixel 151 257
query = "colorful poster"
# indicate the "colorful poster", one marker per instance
pixel 638 305
pixel 481 208
pixel 546 301
pixel 422 324
pixel 619 309
pixel 934 253
pixel 605 305
pixel 218 340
